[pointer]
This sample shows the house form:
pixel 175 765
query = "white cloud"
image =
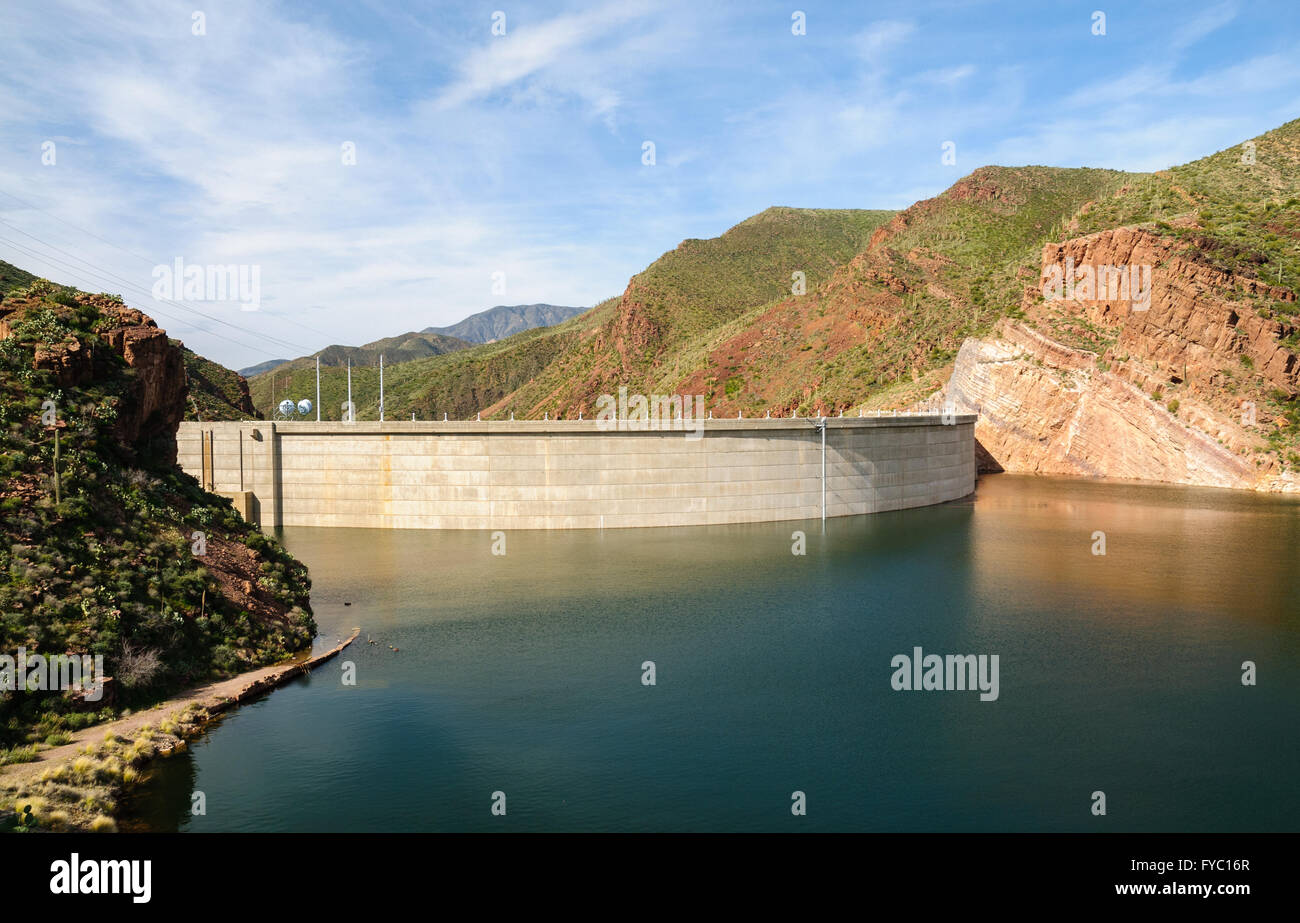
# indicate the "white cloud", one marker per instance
pixel 476 153
pixel 882 36
pixel 947 76
pixel 1202 24
pixel 553 46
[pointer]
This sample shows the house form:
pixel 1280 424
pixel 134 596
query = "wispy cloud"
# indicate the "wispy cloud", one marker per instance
pixel 521 153
pixel 1202 24
pixel 882 36
pixel 947 76
pixel 547 49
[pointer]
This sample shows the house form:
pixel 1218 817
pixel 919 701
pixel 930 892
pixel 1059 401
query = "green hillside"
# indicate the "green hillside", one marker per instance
pixel 558 370
pixel 459 384
pixel 12 277
pixel 97 551
pixel 890 297
pixel 289 378
pixel 216 392
pixel 883 330
pixel 395 350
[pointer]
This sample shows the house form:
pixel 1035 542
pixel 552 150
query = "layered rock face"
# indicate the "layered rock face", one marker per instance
pixel 1121 387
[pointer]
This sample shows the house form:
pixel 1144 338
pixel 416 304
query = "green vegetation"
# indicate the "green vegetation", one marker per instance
pixel 458 384
pixel 689 290
pixel 1284 438
pixel 216 392
pixel 559 370
pixel 889 299
pixel 11 277
pixel 887 325
pixel 96 552
pixel 18 755
pixel 83 793
pixel 878 326
pixel 395 350
pixel 486 327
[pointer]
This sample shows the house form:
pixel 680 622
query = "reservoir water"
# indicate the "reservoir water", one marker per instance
pixel 522 673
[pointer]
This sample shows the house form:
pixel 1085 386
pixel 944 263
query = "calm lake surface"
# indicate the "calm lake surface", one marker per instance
pixel 522 674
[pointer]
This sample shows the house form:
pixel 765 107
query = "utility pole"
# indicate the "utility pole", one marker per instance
pixel 318 389
pixel 58 497
pixel 352 416
pixel 381 387
pixel 821 425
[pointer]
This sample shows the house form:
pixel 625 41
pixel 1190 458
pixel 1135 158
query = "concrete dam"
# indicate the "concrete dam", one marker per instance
pixel 578 474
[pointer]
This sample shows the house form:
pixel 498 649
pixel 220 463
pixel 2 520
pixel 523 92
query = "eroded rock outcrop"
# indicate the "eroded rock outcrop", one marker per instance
pixel 150 418
pixel 1173 391
pixel 149 415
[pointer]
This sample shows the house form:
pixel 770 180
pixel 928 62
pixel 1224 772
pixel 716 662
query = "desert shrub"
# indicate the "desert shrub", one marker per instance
pixel 18 755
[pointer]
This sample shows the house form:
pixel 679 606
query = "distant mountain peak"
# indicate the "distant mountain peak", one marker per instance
pixel 488 326
pixel 505 320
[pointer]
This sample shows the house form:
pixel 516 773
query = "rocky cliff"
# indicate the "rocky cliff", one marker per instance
pixel 1182 386
pixel 109 548
pixel 155 402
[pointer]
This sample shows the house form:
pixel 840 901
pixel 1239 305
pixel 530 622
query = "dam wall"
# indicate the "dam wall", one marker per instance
pixel 577 474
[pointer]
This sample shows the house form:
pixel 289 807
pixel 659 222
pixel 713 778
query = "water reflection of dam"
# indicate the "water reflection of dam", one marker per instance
pixel 572 474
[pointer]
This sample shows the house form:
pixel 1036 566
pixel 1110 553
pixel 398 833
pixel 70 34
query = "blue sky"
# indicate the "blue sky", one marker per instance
pixel 481 154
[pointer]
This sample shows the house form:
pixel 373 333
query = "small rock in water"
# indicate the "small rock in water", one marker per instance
pixel 347 604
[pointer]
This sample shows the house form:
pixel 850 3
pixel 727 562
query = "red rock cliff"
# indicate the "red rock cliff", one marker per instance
pixel 1113 387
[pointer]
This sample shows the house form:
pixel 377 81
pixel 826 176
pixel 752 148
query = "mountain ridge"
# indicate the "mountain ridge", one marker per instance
pixel 501 321
pixel 823 311
pixel 546 369
pixel 883 320
pixel 484 327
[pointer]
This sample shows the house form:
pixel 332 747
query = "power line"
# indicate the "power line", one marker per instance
pixel 46 258
pixel 104 273
pixel 109 280
pixel 138 256
pixel 131 252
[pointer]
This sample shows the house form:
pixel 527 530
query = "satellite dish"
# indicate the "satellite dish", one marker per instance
pixel 286 407
pixel 304 407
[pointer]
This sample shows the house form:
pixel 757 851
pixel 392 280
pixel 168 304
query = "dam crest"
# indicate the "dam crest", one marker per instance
pixel 570 474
